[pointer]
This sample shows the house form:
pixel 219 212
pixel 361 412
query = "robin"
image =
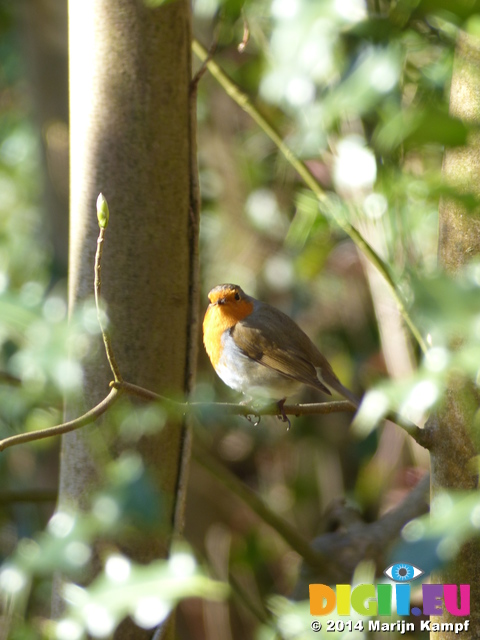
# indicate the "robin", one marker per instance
pixel 260 351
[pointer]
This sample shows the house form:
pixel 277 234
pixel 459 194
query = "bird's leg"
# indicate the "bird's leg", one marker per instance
pixel 283 416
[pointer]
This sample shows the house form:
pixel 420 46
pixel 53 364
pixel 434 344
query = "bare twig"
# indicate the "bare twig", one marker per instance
pixel 422 436
pixel 203 68
pixel 229 408
pixel 103 215
pixel 60 429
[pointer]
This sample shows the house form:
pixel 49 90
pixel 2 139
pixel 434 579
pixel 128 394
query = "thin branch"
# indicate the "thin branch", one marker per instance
pixel 102 215
pixel 120 387
pixel 281 526
pixel 422 436
pixel 304 172
pixel 230 408
pixel 203 68
pixel 60 429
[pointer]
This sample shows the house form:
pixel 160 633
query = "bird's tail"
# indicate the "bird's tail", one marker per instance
pixel 334 383
pixel 347 394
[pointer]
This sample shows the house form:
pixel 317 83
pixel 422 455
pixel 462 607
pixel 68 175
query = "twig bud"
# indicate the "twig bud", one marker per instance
pixel 102 211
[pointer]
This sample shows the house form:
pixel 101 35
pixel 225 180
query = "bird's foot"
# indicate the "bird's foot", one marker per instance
pixel 254 418
pixel 283 416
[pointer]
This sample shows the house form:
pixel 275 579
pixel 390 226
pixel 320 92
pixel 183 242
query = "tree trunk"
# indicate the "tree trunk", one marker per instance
pixel 132 138
pixel 459 241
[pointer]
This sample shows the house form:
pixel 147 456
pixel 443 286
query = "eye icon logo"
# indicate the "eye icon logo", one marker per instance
pixel 402 572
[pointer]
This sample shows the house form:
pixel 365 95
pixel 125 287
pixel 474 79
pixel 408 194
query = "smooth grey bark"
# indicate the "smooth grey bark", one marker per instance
pixel 132 139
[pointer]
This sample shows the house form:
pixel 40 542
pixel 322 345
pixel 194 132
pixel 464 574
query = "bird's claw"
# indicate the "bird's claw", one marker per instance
pixel 283 416
pixel 254 419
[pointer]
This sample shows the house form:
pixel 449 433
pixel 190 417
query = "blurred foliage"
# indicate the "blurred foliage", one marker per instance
pixel 146 592
pixel 434 540
pixel 293 620
pixel 359 90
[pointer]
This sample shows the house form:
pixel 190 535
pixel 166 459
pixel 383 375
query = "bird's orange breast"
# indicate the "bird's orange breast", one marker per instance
pixel 218 319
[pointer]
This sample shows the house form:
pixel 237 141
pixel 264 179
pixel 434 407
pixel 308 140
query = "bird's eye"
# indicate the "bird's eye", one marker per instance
pixel 237 296
pixel 402 572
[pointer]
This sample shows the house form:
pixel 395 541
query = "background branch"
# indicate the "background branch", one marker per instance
pixel 281 526
pixel 360 541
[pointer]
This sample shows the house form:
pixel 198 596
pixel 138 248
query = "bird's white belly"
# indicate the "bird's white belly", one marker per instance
pixel 244 374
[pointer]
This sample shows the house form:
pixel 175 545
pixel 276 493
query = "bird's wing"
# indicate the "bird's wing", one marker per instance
pixel 289 352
